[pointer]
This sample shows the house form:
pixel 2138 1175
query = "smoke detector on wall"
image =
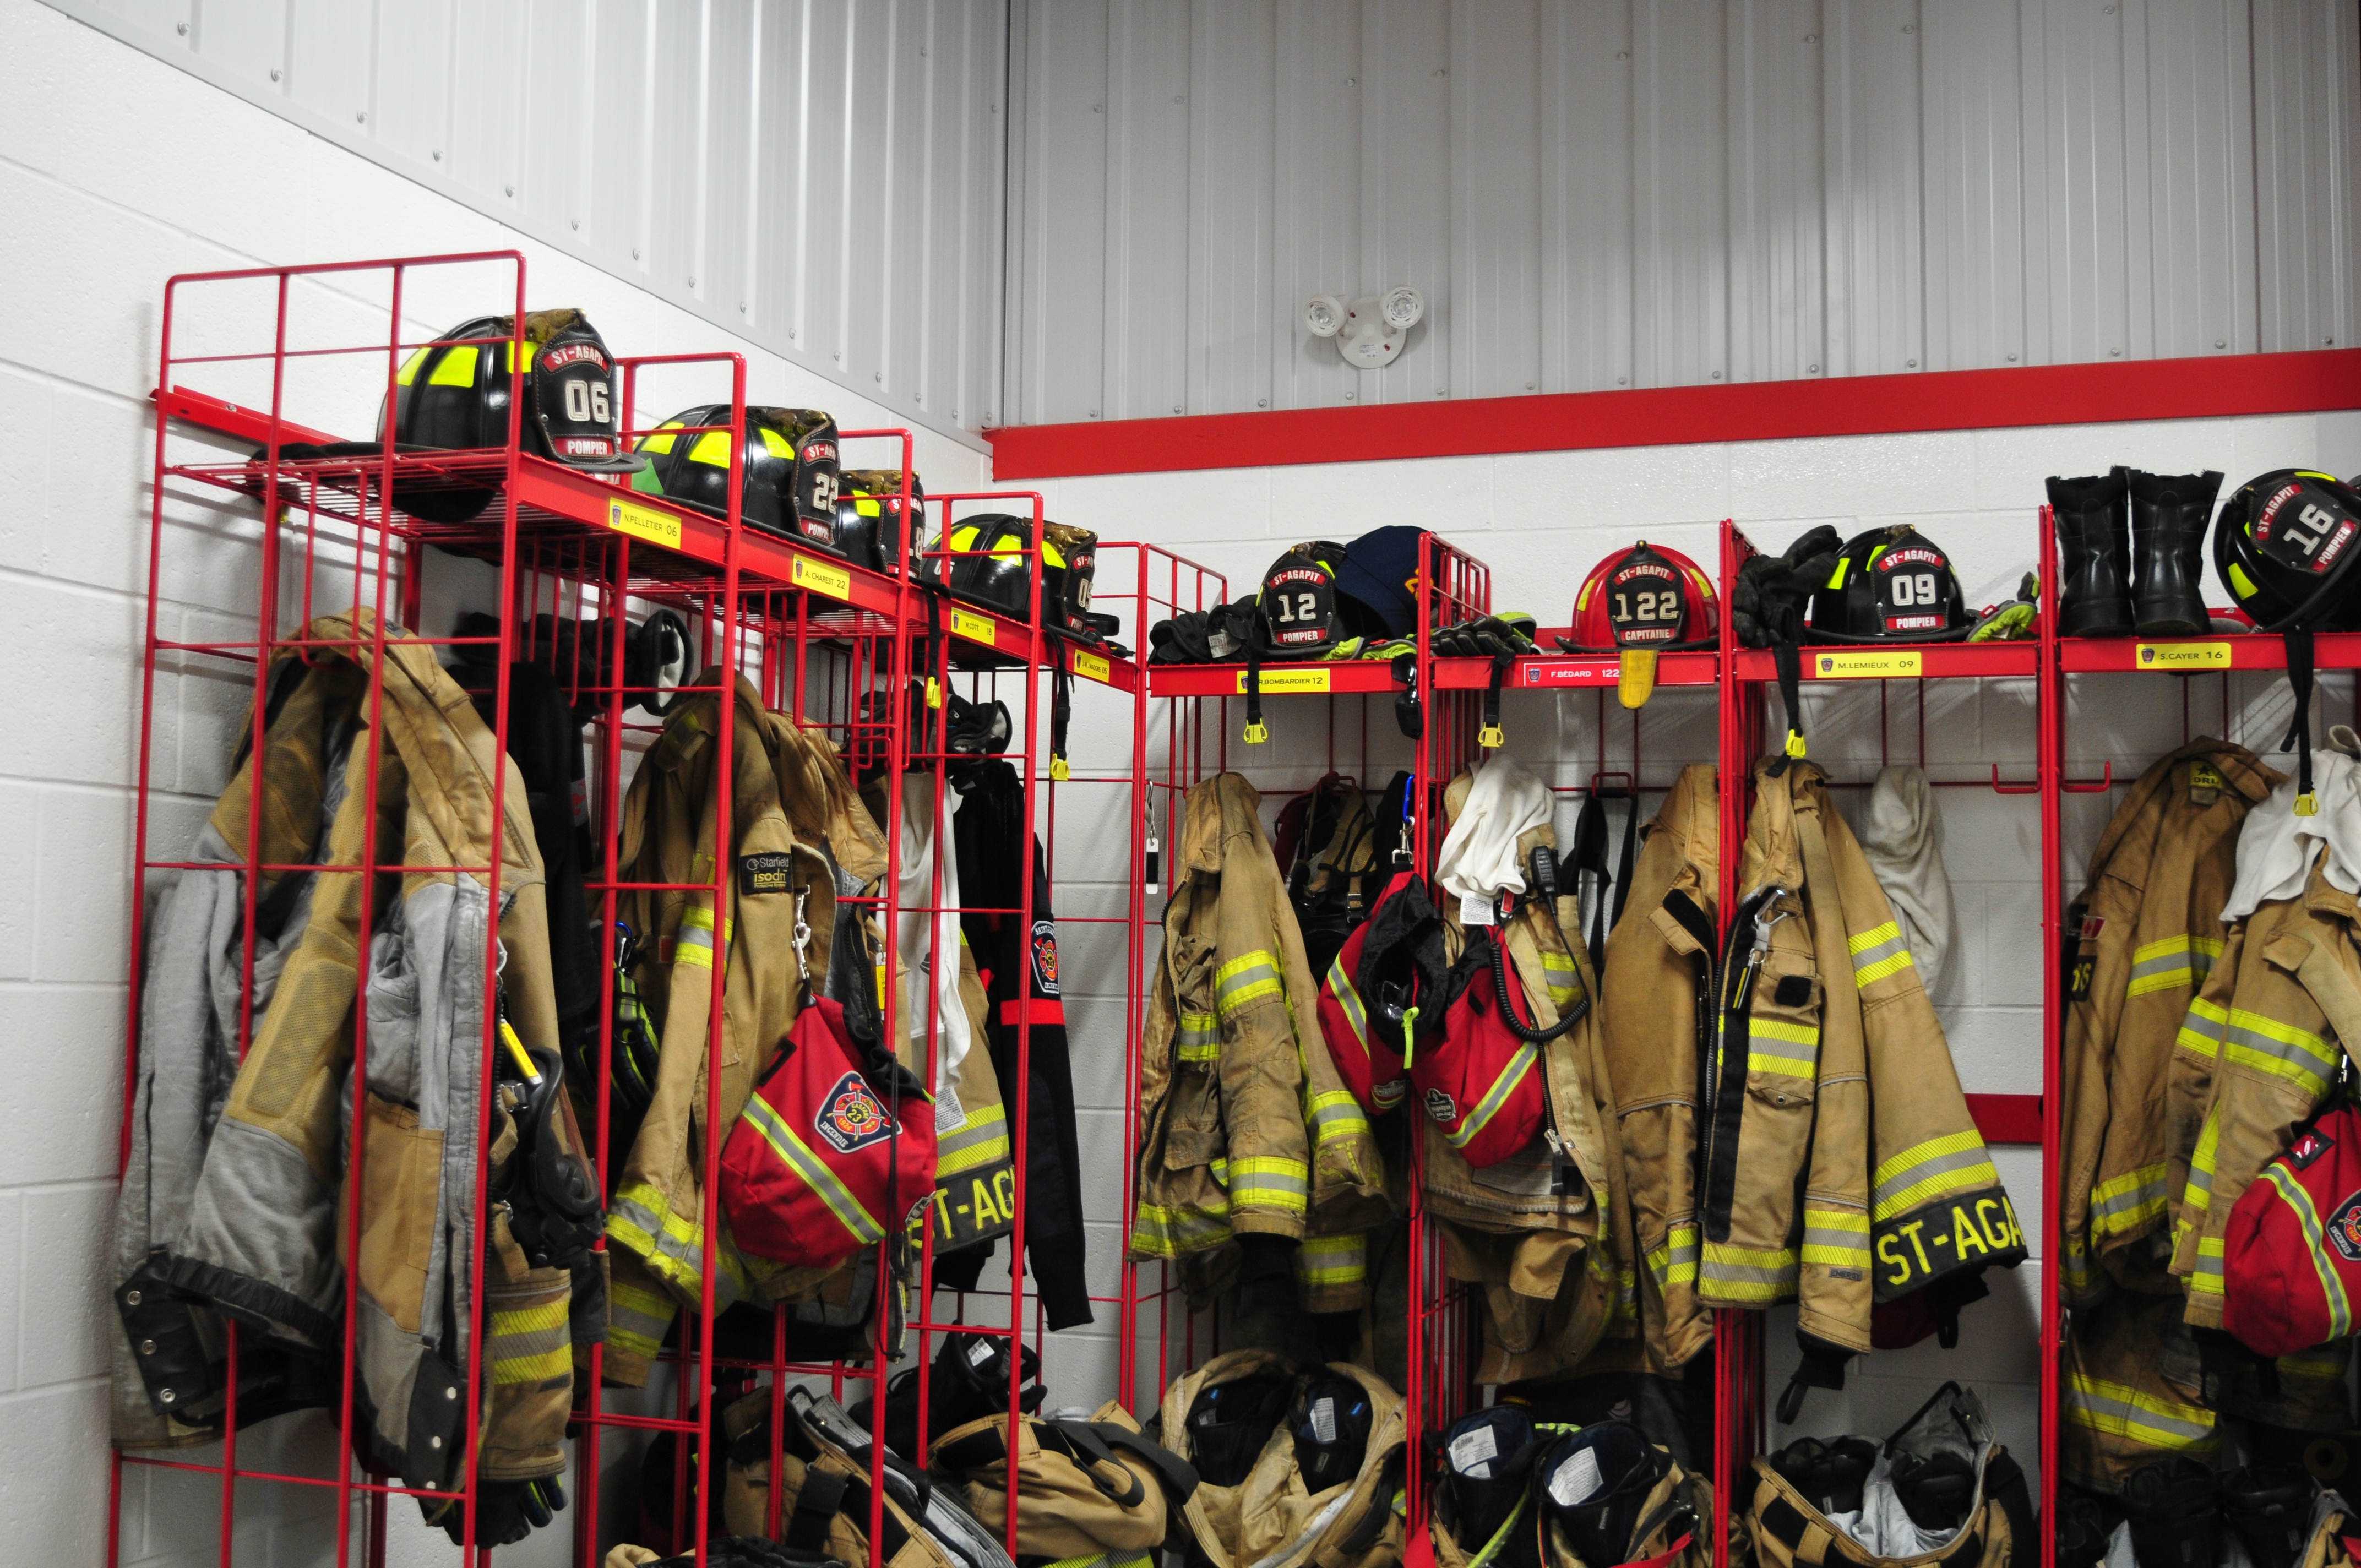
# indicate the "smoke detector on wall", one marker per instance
pixel 1370 330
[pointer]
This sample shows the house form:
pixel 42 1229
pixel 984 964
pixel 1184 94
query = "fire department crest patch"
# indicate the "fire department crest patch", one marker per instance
pixel 2344 1229
pixel 851 1117
pixel 1441 1106
pixel 1045 957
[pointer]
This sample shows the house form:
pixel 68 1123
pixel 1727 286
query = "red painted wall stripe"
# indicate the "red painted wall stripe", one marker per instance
pixel 2302 382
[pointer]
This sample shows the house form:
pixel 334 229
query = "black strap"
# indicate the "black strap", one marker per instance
pixel 1788 661
pixel 1255 733
pixel 1492 735
pixel 1589 859
pixel 1409 718
pixel 817 1502
pixel 1178 1475
pixel 1084 1446
pixel 2299 667
pixel 1786 1523
pixel 1628 858
pixel 1061 713
pixel 1518 1026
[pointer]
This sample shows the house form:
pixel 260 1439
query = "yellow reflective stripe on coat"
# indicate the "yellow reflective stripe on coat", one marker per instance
pixel 637 1319
pixel 2202 1029
pixel 2127 1202
pixel 979 1140
pixel 694 942
pixel 1928 1170
pixel 1333 1114
pixel 1674 1260
pixel 531 1345
pixel 1773 1045
pixel 1564 980
pixel 2282 1051
pixel 2118 1410
pixel 672 1248
pixel 1747 1274
pixel 1198 1038
pixel 1244 979
pixel 1104 1560
pixel 813 1173
pixel 1270 1181
pixel 1878 953
pixel 2315 1240
pixel 2207 1281
pixel 1349 1000
pixel 1160 1232
pixel 1838 1238
pixel 2198 1196
pixel 1481 1115
pixel 1332 1260
pixel 2174 961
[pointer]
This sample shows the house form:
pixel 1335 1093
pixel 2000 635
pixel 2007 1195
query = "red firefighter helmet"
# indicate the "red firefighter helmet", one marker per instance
pixel 1640 602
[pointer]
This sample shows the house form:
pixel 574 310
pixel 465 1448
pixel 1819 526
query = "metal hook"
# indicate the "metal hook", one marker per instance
pixel 1999 788
pixel 2104 782
pixel 1597 781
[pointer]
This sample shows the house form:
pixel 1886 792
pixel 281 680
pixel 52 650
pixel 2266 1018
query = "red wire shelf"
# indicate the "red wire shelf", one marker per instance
pixel 2201 655
pixel 688 544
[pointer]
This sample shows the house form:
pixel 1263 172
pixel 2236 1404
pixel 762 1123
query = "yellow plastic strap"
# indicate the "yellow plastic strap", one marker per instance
pixel 1058 772
pixel 934 692
pixel 1490 735
pixel 1794 742
pixel 1257 732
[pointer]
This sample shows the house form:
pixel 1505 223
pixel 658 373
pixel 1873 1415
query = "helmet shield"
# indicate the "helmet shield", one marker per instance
pixel 1891 584
pixel 1298 603
pixel 2283 545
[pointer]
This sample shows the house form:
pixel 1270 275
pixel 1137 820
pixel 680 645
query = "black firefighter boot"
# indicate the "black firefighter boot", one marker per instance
pixel 2094 595
pixel 2170 512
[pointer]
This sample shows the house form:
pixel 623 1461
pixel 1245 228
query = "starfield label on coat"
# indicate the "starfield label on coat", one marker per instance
pixel 820 578
pixel 1868 663
pixel 1286 680
pixel 1089 666
pixel 763 874
pixel 1930 1242
pixel 641 522
pixel 2183 655
pixel 974 628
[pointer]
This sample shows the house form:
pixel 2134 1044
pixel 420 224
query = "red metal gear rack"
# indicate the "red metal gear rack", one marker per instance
pixel 561 539
pixel 1740 1407
pixel 1195 731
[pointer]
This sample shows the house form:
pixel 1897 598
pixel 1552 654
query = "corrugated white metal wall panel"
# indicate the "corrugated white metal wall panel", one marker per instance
pixel 1654 193
pixel 824 177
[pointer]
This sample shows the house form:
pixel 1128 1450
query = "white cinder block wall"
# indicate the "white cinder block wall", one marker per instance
pixel 1540 521
pixel 119 171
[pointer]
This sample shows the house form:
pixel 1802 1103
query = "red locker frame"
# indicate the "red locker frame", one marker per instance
pixel 795 621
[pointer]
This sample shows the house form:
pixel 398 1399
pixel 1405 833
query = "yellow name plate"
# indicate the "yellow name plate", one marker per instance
pixel 1091 667
pixel 2184 655
pixel 656 527
pixel 1287 681
pixel 974 628
pixel 820 577
pixel 1867 663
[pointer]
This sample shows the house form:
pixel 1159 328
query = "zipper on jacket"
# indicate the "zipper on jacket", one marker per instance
pixel 1725 1100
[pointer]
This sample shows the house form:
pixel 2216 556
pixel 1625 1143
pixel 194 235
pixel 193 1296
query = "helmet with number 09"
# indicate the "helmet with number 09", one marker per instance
pixel 790 463
pixel 1646 598
pixel 2284 546
pixel 1891 584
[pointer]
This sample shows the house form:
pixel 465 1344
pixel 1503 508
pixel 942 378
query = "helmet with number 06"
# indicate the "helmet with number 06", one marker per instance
pixel 454 391
pixel 2284 546
pixel 790 464
pixel 1891 584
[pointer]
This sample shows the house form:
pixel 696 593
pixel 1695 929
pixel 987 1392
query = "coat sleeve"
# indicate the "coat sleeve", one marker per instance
pixel 1269 1174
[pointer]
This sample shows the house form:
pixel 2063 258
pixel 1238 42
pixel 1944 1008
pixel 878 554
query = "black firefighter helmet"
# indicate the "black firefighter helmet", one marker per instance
pixel 869 518
pixel 1891 584
pixel 2284 546
pixel 790 467
pixel 991 568
pixel 453 395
